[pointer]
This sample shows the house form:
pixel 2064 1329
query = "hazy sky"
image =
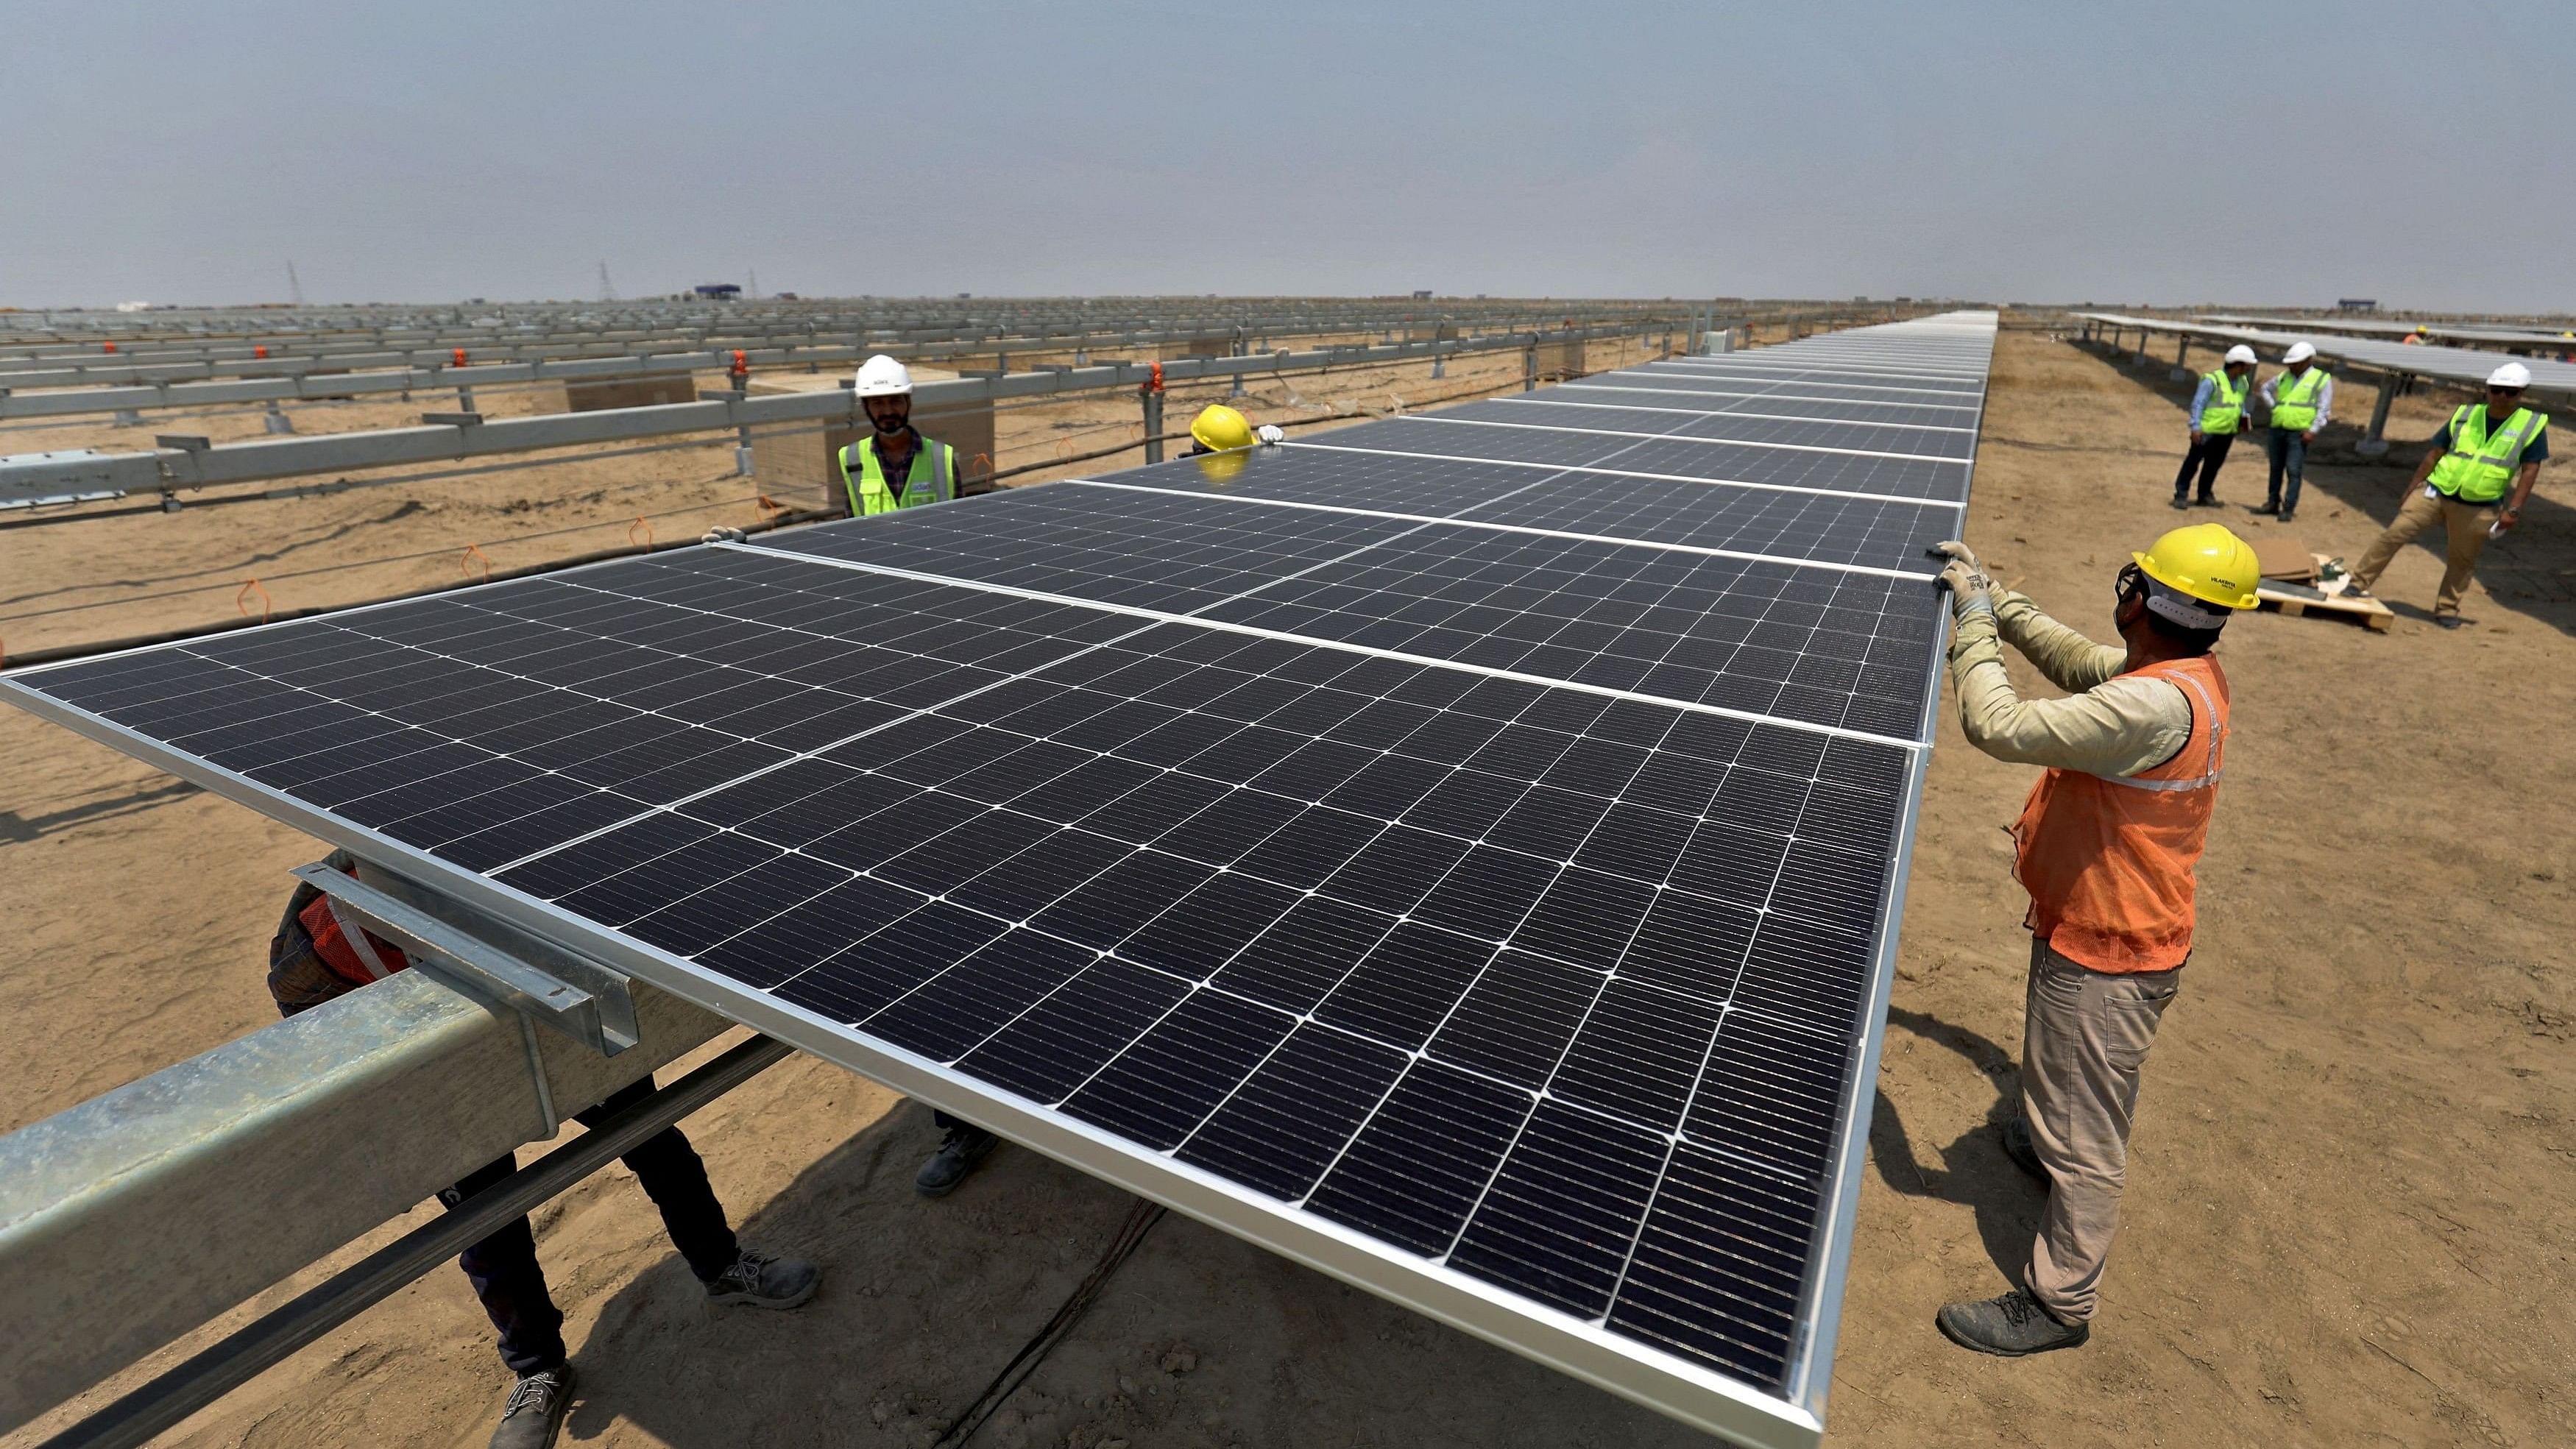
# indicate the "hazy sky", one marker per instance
pixel 2416 152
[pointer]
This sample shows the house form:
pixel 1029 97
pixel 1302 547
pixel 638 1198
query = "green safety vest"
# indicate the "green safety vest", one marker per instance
pixel 2294 399
pixel 930 478
pixel 2226 407
pixel 2480 466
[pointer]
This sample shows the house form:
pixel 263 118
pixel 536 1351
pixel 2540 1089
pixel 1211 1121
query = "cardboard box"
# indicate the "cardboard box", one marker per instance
pixel 2281 558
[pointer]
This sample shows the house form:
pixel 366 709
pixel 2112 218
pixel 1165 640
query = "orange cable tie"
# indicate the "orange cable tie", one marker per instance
pixel 648 532
pixel 474 552
pixel 241 599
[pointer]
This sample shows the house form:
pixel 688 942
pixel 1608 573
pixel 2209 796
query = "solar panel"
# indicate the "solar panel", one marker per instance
pixel 1474 878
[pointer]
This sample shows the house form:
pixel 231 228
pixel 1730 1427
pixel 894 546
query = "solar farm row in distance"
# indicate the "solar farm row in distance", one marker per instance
pixel 1461 851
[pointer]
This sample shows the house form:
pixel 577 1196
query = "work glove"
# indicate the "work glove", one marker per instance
pixel 1965 578
pixel 1270 433
pixel 721 535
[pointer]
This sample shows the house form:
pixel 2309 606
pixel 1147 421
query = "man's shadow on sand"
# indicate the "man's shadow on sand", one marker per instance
pixel 1974 1171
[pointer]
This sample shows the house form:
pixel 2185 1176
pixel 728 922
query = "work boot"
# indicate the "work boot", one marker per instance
pixel 2448 621
pixel 2271 505
pixel 2181 502
pixel 2289 515
pixel 2013 1326
pixel 2015 1137
pixel 2352 590
pixel 535 1413
pixel 2206 501
pixel 764 1282
pixel 958 1154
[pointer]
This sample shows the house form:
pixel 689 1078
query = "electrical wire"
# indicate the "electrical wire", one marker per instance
pixel 1140 1221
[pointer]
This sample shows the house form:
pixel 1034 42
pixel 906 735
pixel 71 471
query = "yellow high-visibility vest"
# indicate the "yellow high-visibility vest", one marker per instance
pixel 2481 464
pixel 930 478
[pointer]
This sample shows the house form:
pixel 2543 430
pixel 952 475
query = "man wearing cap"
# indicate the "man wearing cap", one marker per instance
pixel 2299 401
pixel 2217 416
pixel 2107 846
pixel 2486 450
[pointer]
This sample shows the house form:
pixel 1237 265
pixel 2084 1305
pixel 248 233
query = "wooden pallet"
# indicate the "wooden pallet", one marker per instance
pixel 2370 613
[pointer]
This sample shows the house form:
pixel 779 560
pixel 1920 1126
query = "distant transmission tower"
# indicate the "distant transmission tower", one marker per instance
pixel 607 289
pixel 294 288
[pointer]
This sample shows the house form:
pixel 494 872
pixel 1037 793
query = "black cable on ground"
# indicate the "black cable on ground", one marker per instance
pixel 1140 1221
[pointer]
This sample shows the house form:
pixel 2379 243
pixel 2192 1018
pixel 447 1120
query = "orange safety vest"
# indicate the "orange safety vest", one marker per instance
pixel 2108 859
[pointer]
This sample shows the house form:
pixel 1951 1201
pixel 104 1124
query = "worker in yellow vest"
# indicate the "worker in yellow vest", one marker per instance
pixel 2299 401
pixel 2217 416
pixel 2108 846
pixel 895 466
pixel 2487 450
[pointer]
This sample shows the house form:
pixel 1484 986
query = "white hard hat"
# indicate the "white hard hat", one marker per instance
pixel 2512 374
pixel 2240 353
pixel 882 376
pixel 2299 352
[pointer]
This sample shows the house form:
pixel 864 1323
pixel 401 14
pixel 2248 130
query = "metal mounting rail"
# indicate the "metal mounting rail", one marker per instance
pixel 48 477
pixel 136 1417
pixel 599 1012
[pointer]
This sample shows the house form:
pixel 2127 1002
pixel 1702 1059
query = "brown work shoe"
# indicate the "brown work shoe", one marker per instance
pixel 2012 1326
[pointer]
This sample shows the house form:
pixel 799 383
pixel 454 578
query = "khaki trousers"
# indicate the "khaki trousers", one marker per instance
pixel 2085 1036
pixel 2464 526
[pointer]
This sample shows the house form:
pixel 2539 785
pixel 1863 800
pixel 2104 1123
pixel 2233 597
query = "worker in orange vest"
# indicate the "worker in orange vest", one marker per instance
pixel 316 956
pixel 2106 846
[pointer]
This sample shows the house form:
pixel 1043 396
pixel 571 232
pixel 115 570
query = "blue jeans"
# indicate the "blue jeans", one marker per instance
pixel 2290 456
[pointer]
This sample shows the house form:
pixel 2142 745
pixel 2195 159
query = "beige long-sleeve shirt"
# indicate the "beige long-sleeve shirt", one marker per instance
pixel 2109 725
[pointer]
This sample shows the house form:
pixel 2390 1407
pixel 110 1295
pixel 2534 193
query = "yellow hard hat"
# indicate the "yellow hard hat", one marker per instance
pixel 1220 429
pixel 1221 468
pixel 2206 561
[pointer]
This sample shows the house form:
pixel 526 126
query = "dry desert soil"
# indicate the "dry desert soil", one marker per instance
pixel 2352 1206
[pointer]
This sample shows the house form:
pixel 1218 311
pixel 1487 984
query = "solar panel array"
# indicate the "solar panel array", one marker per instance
pixel 1461 851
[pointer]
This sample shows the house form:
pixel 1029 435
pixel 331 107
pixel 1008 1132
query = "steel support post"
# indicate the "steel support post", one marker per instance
pixel 2372 444
pixel 2182 353
pixel 276 420
pixel 1153 426
pixel 1237 390
pixel 1529 367
pixel 465 399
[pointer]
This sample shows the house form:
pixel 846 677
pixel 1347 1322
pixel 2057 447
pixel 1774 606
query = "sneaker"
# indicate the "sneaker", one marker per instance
pixel 2448 621
pixel 2015 1138
pixel 764 1282
pixel 2013 1326
pixel 535 1413
pixel 959 1153
pixel 2352 590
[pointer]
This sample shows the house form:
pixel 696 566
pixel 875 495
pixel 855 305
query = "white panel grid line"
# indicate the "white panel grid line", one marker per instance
pixel 1424 660
pixel 1714 482
pixel 1684 438
pixel 1549 399
pixel 1592 386
pixel 1456 521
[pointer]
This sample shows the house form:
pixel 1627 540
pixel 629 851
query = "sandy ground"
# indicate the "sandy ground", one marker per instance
pixel 2353 1203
